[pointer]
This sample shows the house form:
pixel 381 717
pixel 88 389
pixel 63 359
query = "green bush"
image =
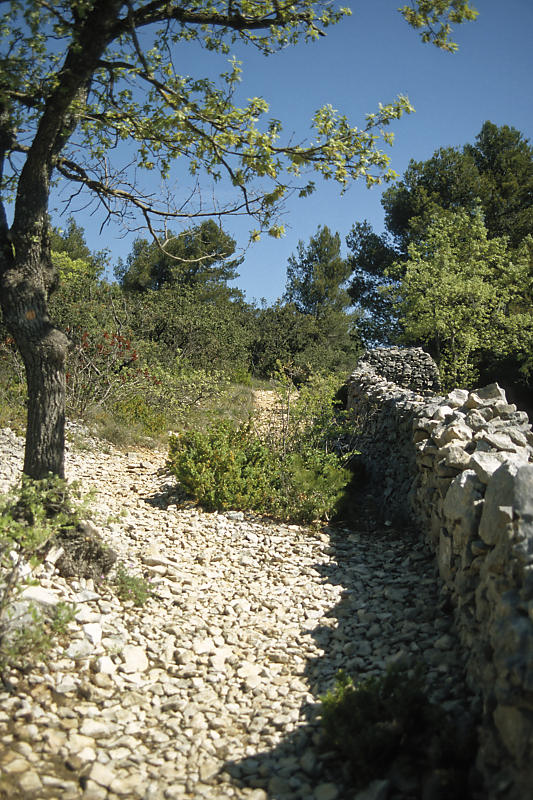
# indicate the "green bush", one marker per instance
pixel 29 520
pixel 224 466
pixel 386 725
pixel 290 470
pixel 138 410
pixel 131 587
pixel 311 484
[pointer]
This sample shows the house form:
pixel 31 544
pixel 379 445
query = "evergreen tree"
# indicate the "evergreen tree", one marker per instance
pixel 72 242
pixel 496 172
pixel 199 258
pixel 504 159
pixel 315 276
pixel 371 256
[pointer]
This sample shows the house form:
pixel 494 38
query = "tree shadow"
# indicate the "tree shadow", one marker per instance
pixel 299 763
pixel 380 568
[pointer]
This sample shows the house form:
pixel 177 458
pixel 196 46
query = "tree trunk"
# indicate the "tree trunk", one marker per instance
pixel 43 349
pixel 45 432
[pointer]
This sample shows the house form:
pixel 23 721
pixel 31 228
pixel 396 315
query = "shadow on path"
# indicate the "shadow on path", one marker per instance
pixel 390 611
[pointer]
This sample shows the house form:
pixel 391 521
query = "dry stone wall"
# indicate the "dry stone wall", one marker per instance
pixel 461 467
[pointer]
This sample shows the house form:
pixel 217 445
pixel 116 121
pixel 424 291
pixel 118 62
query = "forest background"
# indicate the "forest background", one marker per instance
pixel 171 332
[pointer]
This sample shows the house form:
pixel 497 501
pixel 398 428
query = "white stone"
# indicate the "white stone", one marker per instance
pixel 93 791
pixel 201 646
pixel 93 632
pixel 248 670
pixel 209 769
pixel 30 782
pixel 105 665
pixel 16 766
pixel 451 433
pixel 485 465
pixel 457 397
pixel 77 742
pixel 54 554
pixel 40 595
pixel 442 412
pixel 135 659
pixel 101 774
pixel 86 596
pixel 455 456
pixel 66 684
pixel 87 755
pixel 85 614
pixel 94 728
pixel 81 648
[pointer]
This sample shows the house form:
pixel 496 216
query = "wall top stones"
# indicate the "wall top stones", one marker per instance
pixel 410 368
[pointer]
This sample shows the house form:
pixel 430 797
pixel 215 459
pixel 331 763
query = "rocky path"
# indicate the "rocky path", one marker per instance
pixel 210 690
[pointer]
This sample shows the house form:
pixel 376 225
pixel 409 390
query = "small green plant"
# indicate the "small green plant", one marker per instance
pixel 30 519
pixel 29 634
pixel 131 587
pixel 388 721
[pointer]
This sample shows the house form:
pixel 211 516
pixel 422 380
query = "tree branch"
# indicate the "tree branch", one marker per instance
pixel 159 11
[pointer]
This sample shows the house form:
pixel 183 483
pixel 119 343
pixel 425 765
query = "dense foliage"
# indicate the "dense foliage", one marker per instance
pixel 454 270
pixel 291 465
pixel 463 294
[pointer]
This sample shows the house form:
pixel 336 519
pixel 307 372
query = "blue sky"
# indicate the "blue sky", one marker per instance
pixel 370 57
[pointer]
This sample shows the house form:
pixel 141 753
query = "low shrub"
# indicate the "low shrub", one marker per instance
pixel 224 466
pixel 30 520
pixel 288 468
pixel 130 587
pixel 311 485
pixel 386 727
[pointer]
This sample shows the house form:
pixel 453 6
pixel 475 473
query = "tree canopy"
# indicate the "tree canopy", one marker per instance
pixel 316 274
pixel 199 257
pixel 464 294
pixel 369 258
pixel 493 176
pixel 495 172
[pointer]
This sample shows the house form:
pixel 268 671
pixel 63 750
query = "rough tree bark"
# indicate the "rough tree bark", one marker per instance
pixel 27 276
pixel 43 350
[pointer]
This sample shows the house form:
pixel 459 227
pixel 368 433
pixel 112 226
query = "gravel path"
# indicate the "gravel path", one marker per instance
pixel 210 690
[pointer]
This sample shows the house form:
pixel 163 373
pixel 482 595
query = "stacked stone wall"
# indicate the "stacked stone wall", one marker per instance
pixel 461 467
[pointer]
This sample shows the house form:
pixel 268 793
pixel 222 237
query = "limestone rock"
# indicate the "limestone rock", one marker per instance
pixel 135 659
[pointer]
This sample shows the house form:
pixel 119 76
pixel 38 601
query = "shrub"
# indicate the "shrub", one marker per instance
pixel 29 520
pixel 131 587
pixel 386 725
pixel 312 483
pixel 224 466
pixel 289 469
pixel 127 391
pixel 101 368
